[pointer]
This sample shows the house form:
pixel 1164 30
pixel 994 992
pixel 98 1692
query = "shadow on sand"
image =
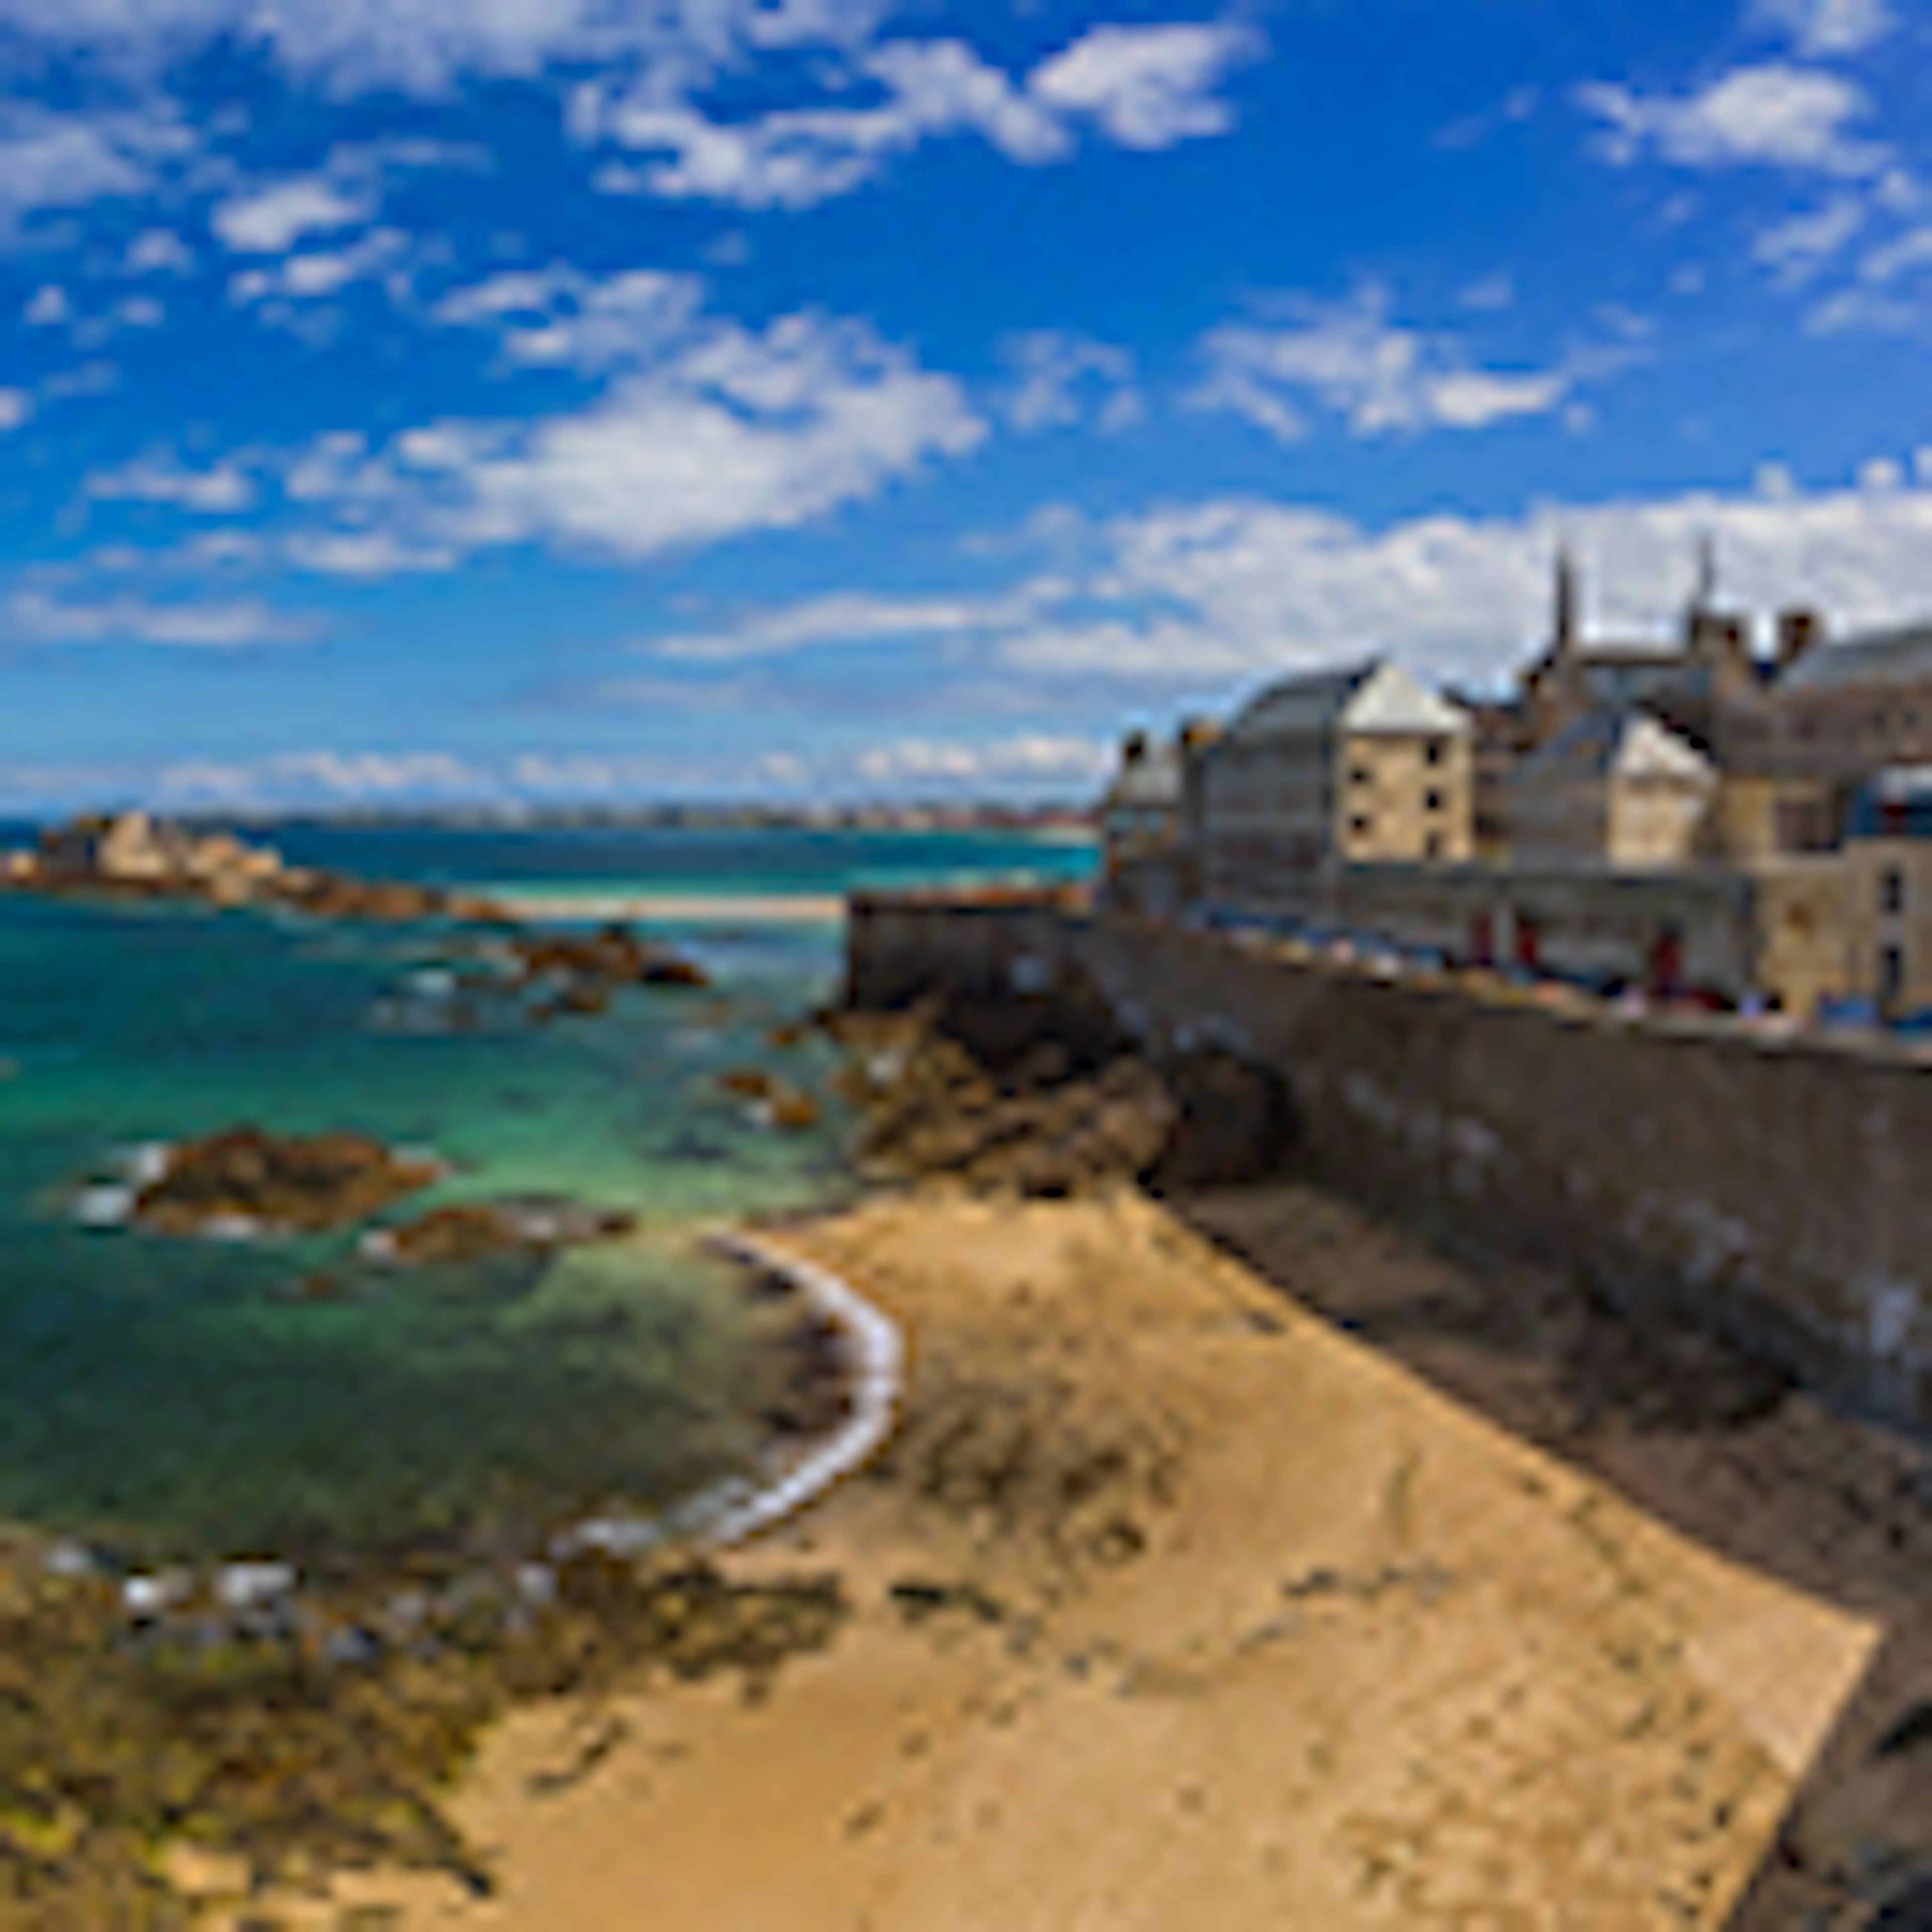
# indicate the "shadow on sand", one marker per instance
pixel 1701 1436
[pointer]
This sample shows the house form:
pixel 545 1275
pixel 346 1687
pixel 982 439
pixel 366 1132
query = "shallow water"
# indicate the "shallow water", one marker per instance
pixel 174 1396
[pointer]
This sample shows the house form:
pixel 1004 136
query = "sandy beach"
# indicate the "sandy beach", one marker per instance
pixel 1173 1605
pixel 676 908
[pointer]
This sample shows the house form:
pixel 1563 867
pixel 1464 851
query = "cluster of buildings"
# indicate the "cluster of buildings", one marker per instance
pixel 1700 818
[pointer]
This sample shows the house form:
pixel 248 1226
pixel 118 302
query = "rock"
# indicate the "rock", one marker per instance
pixel 1048 1119
pixel 317 1287
pixel 776 1102
pixel 613 956
pixel 248 1586
pixel 818 1379
pixel 246 1177
pixel 471 1230
pixel 579 997
pixel 930 1107
pixel 918 1600
pixel 333 895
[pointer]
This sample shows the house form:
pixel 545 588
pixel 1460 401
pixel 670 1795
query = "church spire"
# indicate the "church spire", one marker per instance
pixel 1705 596
pixel 1568 635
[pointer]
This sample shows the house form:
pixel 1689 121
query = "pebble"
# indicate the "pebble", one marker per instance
pixel 243 1586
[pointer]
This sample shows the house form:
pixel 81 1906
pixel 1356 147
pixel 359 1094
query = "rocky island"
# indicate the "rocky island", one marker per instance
pixel 131 855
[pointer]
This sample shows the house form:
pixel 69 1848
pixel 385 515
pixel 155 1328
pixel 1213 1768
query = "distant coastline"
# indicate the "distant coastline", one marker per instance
pixel 1059 822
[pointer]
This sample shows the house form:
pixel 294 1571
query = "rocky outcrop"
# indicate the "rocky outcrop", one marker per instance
pixel 772 1100
pixel 581 973
pixel 471 1231
pixel 163 1742
pixel 613 956
pixel 1051 1122
pixel 244 1179
pixel 134 856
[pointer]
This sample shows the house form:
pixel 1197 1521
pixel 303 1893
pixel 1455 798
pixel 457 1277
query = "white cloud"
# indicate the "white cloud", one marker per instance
pixel 424 46
pixel 583 774
pixel 335 776
pixel 1216 596
pixel 1904 255
pixel 740 432
pixel 1828 27
pixel 369 555
pixel 1147 87
pixel 240 624
pixel 561 318
pixel 51 159
pixel 1470 130
pixel 15 407
pixel 1260 587
pixel 1142 87
pixel 1491 295
pixel 224 490
pixel 716 431
pixel 159 251
pixel 139 312
pixel 1861 308
pixel 1772 114
pixel 848 618
pixel 796 157
pixel 87 379
pixel 270 220
pixel 49 306
pixel 1350 359
pixel 325 272
pixel 1037 758
pixel 1061 379
pixel 1796 248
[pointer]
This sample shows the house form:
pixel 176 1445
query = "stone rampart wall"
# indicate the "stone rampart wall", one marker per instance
pixel 1777 1189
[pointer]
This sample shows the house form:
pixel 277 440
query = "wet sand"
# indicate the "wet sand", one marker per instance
pixel 1175 1606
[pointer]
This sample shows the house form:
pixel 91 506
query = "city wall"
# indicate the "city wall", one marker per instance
pixel 1774 1189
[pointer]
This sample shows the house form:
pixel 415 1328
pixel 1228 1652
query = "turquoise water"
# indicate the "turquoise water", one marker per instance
pixel 175 1396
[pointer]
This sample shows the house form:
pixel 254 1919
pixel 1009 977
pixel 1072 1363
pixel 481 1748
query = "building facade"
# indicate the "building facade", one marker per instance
pixel 1361 766
pixel 1614 789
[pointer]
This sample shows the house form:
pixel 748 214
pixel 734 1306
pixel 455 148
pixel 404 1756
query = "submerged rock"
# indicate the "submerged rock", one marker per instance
pixel 774 1101
pixel 245 1177
pixel 613 956
pixel 472 1230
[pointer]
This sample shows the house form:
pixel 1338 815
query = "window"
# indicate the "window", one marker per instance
pixel 1891 976
pixel 1361 826
pixel 1432 751
pixel 1360 775
pixel 1891 890
pixel 1432 802
pixel 1431 846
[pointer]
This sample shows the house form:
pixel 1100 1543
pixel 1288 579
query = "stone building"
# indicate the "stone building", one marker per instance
pixel 1612 788
pixel 1834 714
pixel 1887 866
pixel 1140 810
pixel 1359 767
pixel 1687 682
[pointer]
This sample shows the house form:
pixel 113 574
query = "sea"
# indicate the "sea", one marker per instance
pixel 186 1400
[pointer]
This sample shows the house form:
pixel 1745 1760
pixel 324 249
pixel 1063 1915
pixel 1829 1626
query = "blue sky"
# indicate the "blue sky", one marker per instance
pixel 560 400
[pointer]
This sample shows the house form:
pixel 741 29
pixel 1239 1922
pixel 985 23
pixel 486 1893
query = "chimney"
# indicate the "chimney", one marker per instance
pixel 1133 748
pixel 1799 630
pixel 1197 733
